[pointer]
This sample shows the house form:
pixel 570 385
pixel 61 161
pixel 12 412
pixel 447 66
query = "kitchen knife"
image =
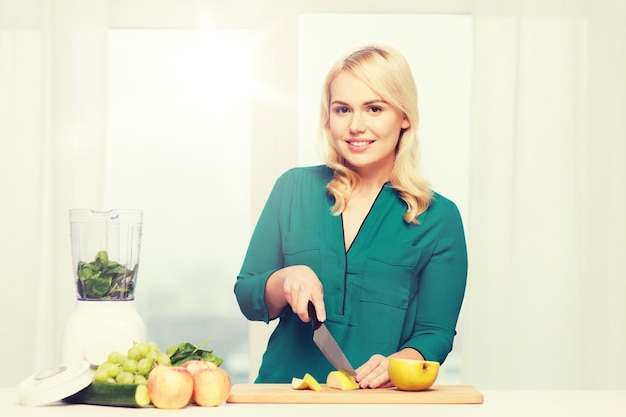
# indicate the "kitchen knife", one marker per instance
pixel 327 344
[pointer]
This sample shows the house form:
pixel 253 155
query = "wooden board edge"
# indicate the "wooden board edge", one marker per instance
pixel 311 397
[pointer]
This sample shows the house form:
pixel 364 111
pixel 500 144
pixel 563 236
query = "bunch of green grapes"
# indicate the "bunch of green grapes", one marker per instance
pixel 134 367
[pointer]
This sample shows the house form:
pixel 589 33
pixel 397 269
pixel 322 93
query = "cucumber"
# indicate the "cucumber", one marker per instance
pixel 111 394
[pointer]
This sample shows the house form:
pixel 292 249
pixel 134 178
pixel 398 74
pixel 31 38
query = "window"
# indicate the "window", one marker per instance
pixel 179 147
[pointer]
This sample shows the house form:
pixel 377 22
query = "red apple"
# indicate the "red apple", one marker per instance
pixel 211 387
pixel 194 366
pixel 170 387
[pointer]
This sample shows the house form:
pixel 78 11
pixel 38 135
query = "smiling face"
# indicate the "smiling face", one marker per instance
pixel 365 128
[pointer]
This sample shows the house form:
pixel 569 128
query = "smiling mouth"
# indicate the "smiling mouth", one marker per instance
pixel 359 143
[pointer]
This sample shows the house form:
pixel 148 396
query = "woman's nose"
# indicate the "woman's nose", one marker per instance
pixel 357 124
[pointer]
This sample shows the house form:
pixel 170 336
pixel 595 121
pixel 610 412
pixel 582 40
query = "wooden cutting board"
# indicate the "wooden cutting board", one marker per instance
pixel 283 393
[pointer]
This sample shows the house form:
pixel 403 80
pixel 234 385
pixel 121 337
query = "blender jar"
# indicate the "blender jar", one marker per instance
pixel 105 255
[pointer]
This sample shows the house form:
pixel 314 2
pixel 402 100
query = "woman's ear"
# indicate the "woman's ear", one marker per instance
pixel 405 123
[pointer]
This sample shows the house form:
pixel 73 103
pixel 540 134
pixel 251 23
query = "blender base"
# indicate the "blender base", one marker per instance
pixel 97 328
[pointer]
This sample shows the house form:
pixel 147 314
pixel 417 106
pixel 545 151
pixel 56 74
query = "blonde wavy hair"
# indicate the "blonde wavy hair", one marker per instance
pixel 387 73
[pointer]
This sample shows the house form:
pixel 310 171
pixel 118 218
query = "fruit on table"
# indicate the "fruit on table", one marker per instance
pixel 132 368
pixel 146 374
pixel 196 365
pixel 341 380
pixel 211 386
pixel 412 375
pixel 308 382
pixel 170 387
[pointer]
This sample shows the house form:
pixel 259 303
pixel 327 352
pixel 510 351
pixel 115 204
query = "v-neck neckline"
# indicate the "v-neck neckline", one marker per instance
pixel 360 231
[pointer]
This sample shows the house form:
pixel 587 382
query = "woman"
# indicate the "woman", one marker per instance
pixel 363 238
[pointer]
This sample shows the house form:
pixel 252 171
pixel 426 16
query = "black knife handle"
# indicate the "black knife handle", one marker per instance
pixel 313 315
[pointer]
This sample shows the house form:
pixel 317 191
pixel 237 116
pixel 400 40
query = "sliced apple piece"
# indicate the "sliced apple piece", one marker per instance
pixel 298 383
pixel 341 380
pixel 308 382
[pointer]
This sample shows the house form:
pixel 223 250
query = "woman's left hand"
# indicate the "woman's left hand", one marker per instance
pixel 373 373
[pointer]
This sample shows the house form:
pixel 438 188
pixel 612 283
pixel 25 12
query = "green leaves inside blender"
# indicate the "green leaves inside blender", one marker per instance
pixel 103 279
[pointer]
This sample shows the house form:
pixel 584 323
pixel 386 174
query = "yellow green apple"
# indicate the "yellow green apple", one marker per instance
pixel 412 375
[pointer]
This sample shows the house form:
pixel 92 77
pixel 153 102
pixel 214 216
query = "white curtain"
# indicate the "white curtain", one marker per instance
pixel 545 306
pixel 52 129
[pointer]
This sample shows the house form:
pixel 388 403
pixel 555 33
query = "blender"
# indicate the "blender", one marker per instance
pixel 105 255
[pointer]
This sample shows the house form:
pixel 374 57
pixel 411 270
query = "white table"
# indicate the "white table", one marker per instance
pixel 496 404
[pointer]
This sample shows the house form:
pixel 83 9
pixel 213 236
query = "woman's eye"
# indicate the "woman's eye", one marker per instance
pixel 376 109
pixel 342 110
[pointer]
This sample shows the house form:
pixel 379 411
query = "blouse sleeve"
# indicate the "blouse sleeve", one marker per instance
pixel 441 291
pixel 263 257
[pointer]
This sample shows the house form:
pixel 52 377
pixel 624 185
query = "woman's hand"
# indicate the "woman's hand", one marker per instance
pixel 374 373
pixel 295 286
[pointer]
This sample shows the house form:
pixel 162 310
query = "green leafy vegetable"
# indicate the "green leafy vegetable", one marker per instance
pixel 186 352
pixel 103 279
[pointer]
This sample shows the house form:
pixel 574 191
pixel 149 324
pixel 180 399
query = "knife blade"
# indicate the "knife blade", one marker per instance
pixel 328 345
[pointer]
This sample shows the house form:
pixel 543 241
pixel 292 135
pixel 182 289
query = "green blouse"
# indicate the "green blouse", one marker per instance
pixel 399 285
